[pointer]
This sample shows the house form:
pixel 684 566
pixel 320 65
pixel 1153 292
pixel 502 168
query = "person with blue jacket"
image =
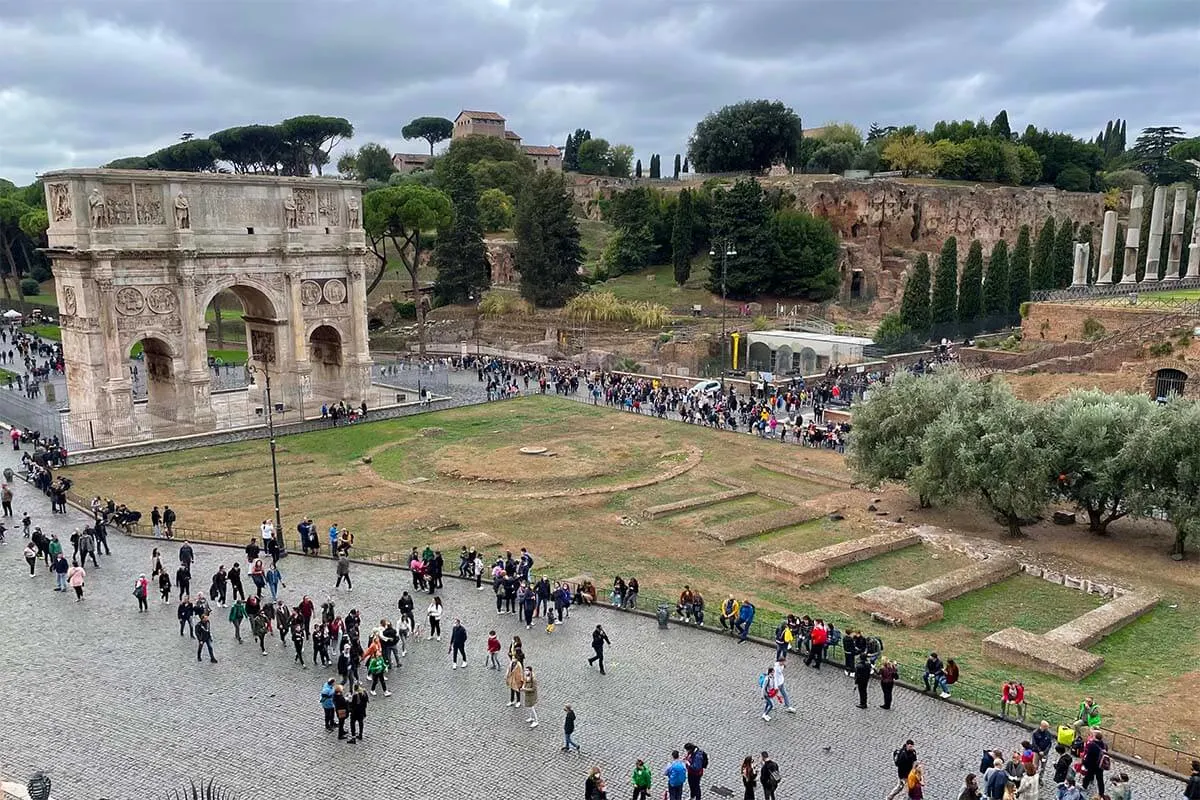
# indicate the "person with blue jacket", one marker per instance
pixel 745 617
pixel 327 704
pixel 676 775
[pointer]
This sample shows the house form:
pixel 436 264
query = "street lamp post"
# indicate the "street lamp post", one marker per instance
pixel 727 250
pixel 252 369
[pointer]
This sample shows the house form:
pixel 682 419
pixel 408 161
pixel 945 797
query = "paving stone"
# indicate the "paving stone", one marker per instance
pixel 114 703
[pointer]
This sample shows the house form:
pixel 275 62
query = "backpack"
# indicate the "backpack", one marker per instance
pixel 771 775
pixel 702 757
pixel 833 636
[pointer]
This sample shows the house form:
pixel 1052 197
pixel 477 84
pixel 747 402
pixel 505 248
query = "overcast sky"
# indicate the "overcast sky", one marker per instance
pixel 86 81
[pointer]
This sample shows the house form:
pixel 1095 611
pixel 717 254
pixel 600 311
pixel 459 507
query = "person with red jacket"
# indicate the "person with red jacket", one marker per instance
pixel 1012 693
pixel 493 650
pixel 819 639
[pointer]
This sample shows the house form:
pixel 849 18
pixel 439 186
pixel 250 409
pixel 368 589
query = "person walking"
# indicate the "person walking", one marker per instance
pixel 1095 762
pixel 258 575
pixel 768 776
pixel 515 680
pixel 298 640
pixel 220 586
pixel 204 638
pixel 916 783
pixel 389 638
pixel 164 586
pixel 599 640
pixel 888 674
pixel 768 693
pixel 141 588
pixel 235 582
pixel 749 777
pixel 327 704
pixel 343 573
pixel 780 663
pixel 75 577
pixel 458 644
pixel 31 555
pixel 862 677
pixel 530 688
pixel 569 729
pixel 904 759
pixel 435 619
pixel 60 569
pixel 377 667
pixel 970 790
pixel 183 580
pixel 237 613
pixel 258 628
pixel 640 779
pixel 275 580
pixel 493 650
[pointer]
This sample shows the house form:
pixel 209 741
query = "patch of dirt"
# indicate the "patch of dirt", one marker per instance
pixel 1041 387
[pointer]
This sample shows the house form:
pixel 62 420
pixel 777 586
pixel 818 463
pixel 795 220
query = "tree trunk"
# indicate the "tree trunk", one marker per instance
pixel 12 266
pixel 416 288
pixel 216 305
pixel 1096 523
pixel 923 501
pixel 382 258
pixel 1014 525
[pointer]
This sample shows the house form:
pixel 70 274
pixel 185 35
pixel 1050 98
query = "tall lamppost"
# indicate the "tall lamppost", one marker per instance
pixel 727 250
pixel 266 358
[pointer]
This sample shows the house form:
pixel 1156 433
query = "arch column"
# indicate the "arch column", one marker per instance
pixel 355 353
pixel 194 395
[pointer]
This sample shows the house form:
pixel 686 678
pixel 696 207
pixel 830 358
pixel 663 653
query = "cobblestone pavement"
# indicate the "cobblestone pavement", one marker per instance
pixel 114 704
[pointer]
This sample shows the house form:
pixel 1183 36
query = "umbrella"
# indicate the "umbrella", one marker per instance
pixel 12 314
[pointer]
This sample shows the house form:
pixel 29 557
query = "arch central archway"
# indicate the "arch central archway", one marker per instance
pixel 158 366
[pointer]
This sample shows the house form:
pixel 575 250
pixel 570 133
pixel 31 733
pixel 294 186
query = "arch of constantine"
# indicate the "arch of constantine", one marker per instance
pixel 138 256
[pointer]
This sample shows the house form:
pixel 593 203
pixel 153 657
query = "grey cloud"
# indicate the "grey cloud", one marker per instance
pixel 86 82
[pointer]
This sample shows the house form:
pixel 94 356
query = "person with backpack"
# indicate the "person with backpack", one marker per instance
pixel 676 775
pixel 1095 762
pixel 769 692
pixel 904 759
pixel 141 588
pixel 744 620
pixel 768 776
pixel 995 780
pixel 695 762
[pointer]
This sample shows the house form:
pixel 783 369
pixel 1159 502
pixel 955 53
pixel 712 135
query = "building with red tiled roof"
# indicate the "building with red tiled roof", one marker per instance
pixel 489 123
pixel 406 163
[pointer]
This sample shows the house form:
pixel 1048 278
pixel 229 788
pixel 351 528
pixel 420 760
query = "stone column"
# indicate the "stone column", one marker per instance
pixel 358 376
pixel 1108 241
pixel 116 405
pixel 195 394
pixel 1079 272
pixel 1193 268
pixel 1154 246
pixel 1178 219
pixel 1133 236
pixel 299 343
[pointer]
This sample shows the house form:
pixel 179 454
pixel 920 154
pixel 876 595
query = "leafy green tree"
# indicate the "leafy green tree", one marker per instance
pixel 402 215
pixel 943 307
pixel 1041 268
pixel 742 218
pixel 252 148
pixel 595 157
pixel 1058 150
pixel 868 158
pixel 194 155
pixel 911 154
pixel 808 255
pixel 1097 468
pixel 842 133
pixel 1152 154
pixel 995 284
pixel 628 250
pixel 1063 255
pixel 970 290
pixel 495 163
pixel 890 425
pixel 620 158
pixel 1073 178
pixel 988 444
pixel 1188 149
pixel 129 162
pixel 548 253
pixel 431 129
pixel 371 162
pixel 1169 468
pixel 496 210
pixel 951 158
pixel 1018 273
pixel 1000 128
pixel 833 158
pixel 894 336
pixel 310 139
pixel 681 236
pixel 460 256
pixel 677 164
pixel 746 136
pixel 914 304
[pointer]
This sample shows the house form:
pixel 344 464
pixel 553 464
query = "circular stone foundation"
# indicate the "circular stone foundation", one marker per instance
pixel 533 451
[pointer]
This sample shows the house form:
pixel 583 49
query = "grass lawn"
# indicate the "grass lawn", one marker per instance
pixel 44 300
pixel 657 285
pixel 226 356
pixel 474 480
pixel 51 332
pixel 1178 294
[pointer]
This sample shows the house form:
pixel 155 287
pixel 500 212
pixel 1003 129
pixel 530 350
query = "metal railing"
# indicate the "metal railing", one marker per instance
pixel 1088 294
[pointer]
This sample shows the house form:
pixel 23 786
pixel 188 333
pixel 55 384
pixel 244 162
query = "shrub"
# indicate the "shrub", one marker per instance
pixel 1092 329
pixel 1024 310
pixel 665 337
pixel 405 309
pixel 1012 343
pixel 29 286
pixel 627 365
pixel 1161 349
pixel 1185 339
pixel 499 304
pixel 40 272
pixel 606 307
pixel 761 323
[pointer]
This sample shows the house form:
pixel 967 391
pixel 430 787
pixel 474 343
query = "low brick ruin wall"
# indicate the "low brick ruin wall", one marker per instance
pixel 922 604
pixel 1060 651
pixel 693 503
pixel 802 569
pixel 759 524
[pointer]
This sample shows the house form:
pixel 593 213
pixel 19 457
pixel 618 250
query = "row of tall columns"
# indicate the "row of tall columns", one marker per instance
pixel 1133 238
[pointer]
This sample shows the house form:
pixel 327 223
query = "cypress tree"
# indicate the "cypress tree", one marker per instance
pixel 1041 267
pixel 685 164
pixel 995 284
pixel 655 172
pixel 1063 255
pixel 1119 255
pixel 460 256
pixel 637 170
pixel 677 166
pixel 944 304
pixel 1018 273
pixel 548 253
pixel 681 237
pixel 914 305
pixel 970 290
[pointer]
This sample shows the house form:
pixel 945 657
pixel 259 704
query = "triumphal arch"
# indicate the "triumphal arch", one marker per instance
pixel 139 255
